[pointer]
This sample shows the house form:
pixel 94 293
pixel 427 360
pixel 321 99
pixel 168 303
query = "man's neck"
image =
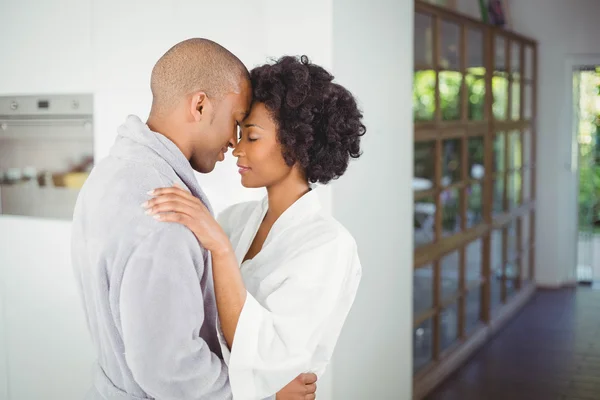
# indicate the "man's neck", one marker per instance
pixel 168 129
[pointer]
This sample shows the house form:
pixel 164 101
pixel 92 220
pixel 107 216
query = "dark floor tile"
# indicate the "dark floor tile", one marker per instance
pixel 550 351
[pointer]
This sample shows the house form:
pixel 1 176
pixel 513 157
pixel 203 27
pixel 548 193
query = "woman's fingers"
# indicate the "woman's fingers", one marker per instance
pixel 173 190
pixel 308 378
pixel 173 206
pixel 176 217
pixel 154 203
pixel 164 197
pixel 311 388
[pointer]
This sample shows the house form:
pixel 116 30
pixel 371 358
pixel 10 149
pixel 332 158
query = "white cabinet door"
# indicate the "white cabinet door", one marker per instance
pixel 3 352
pixel 49 348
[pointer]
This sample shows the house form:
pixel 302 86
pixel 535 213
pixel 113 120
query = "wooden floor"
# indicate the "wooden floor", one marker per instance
pixel 550 351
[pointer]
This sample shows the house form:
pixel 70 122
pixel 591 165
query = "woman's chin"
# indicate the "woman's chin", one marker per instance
pixel 250 185
pixel 246 184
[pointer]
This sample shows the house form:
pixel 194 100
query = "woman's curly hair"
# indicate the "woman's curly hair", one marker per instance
pixel 319 123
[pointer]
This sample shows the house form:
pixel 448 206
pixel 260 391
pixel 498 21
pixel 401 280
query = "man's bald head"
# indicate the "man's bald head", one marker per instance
pixel 191 66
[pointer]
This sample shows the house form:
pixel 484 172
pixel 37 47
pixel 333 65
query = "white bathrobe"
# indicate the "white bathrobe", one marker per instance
pixel 300 286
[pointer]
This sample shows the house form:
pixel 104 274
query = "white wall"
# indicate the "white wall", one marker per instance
pixel 108 48
pixel 564 30
pixel 373 56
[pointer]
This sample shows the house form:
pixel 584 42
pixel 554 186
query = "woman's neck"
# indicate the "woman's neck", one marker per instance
pixel 283 194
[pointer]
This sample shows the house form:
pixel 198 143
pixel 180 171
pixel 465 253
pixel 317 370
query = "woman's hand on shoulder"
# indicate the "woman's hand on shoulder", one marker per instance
pixel 173 204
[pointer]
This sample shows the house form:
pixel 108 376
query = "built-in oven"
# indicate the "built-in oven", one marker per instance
pixel 46 153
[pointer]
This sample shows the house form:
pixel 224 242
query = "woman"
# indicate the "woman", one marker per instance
pixel 285 273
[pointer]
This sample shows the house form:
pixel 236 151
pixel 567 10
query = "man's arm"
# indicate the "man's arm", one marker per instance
pixel 161 313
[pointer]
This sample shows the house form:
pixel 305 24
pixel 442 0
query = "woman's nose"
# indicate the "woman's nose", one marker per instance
pixel 238 151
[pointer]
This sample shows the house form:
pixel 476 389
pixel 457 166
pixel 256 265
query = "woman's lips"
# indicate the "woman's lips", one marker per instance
pixel 242 169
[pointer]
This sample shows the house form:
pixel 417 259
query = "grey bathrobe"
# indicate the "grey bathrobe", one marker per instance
pixel 146 285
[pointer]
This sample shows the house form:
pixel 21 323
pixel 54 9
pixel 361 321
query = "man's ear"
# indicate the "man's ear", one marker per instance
pixel 199 106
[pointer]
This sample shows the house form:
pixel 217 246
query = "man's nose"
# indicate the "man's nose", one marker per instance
pixel 232 142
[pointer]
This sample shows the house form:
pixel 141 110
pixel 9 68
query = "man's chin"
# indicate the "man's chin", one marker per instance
pixel 204 169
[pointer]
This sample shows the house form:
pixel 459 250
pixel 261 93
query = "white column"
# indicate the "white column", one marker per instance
pixel 373 57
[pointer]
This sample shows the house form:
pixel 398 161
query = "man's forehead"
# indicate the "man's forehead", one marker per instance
pixel 242 115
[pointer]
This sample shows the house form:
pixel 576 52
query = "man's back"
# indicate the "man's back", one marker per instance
pixel 146 286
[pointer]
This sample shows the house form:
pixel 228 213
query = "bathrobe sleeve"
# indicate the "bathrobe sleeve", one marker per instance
pixel 276 339
pixel 161 316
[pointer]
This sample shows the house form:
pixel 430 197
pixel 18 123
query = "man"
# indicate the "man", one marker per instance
pixel 147 287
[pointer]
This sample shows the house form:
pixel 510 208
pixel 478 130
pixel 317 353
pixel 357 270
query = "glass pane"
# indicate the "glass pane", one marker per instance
pixel 514 150
pixel 500 91
pixel 527 172
pixel 473 262
pixel 525 275
pixel 528 62
pixel 514 189
pixel 496 269
pixel 422 290
pixel 475 78
pixel 500 56
pixel 422 345
pixel 511 285
pixel 526 155
pixel 498 195
pixel 475 156
pixel 525 229
pixel 474 49
pixel 473 309
pixel 499 151
pixel 423 40
pixel 474 205
pixel 528 102
pixel 516 101
pixel 476 93
pixel 450 43
pixel 515 59
pixel 450 89
pixel 511 245
pixel 496 255
pixel 424 221
pixel 450 211
pixel 450 265
pixel 424 96
pixel 451 171
pixel 424 166
pixel 449 326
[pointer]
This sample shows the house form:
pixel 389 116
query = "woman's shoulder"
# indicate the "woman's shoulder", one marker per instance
pixel 235 213
pixel 325 229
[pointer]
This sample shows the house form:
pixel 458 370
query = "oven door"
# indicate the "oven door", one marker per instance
pixel 43 164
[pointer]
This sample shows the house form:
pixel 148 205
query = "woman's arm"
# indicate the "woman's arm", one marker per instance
pixel 177 205
pixel 274 342
pixel 229 291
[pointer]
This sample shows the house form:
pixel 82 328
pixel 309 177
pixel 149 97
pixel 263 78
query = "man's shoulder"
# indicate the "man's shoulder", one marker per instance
pixel 168 247
pixel 116 169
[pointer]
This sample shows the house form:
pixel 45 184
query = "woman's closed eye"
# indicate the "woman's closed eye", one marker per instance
pixel 249 137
